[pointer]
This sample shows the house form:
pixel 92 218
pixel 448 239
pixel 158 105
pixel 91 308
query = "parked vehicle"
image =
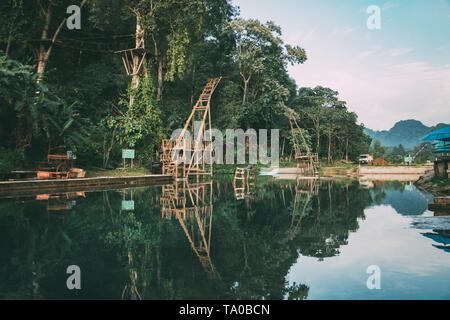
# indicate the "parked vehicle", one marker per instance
pixel 365 158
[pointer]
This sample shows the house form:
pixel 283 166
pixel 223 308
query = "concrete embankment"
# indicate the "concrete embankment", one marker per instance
pixel 390 173
pixel 394 170
pixel 386 173
pixel 12 187
pixel 381 173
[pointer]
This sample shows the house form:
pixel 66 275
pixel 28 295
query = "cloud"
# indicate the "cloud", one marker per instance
pixel 389 5
pixel 443 47
pixel 383 92
pixel 299 37
pixel 367 53
pixel 399 51
pixel 310 35
pixel 342 31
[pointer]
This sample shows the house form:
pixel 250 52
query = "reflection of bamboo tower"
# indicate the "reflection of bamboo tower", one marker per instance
pixel 198 126
pixel 304 189
pixel 244 182
pixel 191 205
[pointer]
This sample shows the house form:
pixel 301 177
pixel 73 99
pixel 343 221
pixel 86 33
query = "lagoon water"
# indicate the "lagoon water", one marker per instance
pixel 279 240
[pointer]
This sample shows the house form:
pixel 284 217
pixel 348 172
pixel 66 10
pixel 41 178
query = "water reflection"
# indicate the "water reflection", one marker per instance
pixel 442 237
pixel 304 190
pixel 191 240
pixel 191 204
pixel 402 196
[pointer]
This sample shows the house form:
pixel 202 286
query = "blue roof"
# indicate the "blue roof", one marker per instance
pixel 441 146
pixel 441 134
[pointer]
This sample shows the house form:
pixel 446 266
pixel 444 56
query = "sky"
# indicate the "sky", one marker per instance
pixel 398 72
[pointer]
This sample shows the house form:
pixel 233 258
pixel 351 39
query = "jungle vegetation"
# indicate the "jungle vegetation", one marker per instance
pixel 63 89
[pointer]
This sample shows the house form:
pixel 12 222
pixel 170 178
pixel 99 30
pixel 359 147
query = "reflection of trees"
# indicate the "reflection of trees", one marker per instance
pixel 336 210
pixel 318 224
pixel 401 196
pixel 41 246
pixel 137 254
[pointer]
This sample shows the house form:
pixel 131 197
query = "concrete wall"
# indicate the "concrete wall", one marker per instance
pixel 394 170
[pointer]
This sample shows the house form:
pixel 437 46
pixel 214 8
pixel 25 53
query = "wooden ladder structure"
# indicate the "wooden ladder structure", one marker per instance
pixel 167 166
pixel 187 156
pixel 307 162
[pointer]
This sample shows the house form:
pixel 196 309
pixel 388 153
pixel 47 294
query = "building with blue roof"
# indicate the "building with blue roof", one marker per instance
pixel 441 147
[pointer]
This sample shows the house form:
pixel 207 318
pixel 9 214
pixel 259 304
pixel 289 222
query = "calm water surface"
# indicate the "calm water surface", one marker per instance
pixel 279 240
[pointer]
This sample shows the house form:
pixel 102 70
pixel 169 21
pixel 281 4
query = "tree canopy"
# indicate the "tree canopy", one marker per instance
pixel 67 88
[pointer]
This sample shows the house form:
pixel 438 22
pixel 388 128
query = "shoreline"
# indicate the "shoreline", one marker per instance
pixel 434 185
pixel 11 187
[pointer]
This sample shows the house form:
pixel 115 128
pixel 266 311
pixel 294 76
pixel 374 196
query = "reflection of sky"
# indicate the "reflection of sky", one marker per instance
pixel 408 201
pixel 411 268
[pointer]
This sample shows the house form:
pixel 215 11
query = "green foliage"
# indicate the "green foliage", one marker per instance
pixel 83 103
pixel 377 150
pixel 9 159
pixel 139 126
pixel 32 110
pixel 299 139
pixel 334 130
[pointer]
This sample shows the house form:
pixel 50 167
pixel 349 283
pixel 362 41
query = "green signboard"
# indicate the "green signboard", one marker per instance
pixel 128 205
pixel 127 154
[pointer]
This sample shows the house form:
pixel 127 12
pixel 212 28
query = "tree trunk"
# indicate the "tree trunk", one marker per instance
pixel 244 97
pixel 160 78
pixel 329 147
pixel 317 141
pixel 140 44
pixel 8 44
pixel 44 53
pixel 193 86
pixel 108 151
pixel 346 148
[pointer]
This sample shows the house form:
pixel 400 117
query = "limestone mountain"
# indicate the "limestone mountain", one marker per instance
pixel 405 132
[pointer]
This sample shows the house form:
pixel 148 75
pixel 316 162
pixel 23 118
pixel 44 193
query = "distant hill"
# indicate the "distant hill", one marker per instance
pixel 405 132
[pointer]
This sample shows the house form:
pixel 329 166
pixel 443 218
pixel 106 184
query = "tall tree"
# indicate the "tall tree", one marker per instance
pixel 254 42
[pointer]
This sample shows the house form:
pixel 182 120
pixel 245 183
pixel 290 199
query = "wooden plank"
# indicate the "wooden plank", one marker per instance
pixel 7 187
pixel 442 200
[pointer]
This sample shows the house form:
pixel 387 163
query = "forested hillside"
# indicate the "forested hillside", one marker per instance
pixel 63 89
pixel 407 133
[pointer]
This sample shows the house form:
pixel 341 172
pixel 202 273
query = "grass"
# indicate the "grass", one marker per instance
pixel 99 172
pixel 441 182
pixel 218 169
